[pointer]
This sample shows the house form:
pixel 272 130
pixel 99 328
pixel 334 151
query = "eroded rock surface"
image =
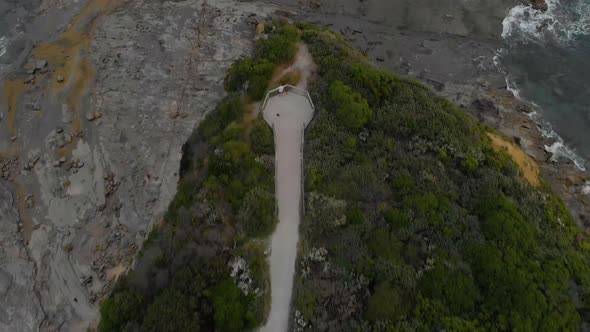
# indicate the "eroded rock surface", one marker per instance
pixel 20 309
pixel 81 192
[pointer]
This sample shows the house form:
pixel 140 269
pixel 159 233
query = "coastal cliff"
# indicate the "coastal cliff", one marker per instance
pixel 100 96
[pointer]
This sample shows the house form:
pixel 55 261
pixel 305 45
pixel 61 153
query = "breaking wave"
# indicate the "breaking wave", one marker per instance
pixel 3 46
pixel 558 149
pixel 559 23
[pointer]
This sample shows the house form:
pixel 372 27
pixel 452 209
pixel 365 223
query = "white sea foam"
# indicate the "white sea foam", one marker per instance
pixel 558 149
pixel 512 88
pixel 3 46
pixel 524 20
pixel 560 23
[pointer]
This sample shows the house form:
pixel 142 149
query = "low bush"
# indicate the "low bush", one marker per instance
pixel 172 311
pixel 250 76
pixel 352 109
pixel 257 213
pixel 121 309
pixel 228 304
pixel 262 138
pixel 386 303
pixel 280 46
pixel 228 111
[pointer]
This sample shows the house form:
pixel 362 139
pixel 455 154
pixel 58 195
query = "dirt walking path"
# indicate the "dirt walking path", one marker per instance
pixel 288 114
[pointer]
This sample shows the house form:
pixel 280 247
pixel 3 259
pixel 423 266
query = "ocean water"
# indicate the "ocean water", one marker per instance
pixel 547 62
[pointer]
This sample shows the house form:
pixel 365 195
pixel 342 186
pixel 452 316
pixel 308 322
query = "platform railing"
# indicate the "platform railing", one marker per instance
pixel 288 88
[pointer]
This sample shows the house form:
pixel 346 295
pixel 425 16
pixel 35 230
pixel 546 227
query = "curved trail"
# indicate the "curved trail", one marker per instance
pixel 288 114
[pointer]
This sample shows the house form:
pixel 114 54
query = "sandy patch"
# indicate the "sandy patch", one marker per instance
pixel 526 164
pixel 299 73
pixel 115 272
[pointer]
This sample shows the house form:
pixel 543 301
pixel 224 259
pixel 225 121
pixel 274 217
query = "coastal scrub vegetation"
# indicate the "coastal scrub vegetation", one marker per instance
pixel 203 267
pixel 413 221
pixel 422 225
pixel 253 74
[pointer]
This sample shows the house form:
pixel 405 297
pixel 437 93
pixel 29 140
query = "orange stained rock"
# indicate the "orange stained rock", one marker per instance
pixel 527 165
pixel 11 152
pixel 69 57
pixel 12 90
pixel 25 218
pixel 66 52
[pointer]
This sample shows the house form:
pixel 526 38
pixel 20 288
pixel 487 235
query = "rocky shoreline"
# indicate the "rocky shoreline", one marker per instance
pixel 512 117
pixel 90 150
pixel 458 62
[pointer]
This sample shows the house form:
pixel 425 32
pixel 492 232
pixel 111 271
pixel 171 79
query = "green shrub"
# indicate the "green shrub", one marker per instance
pixel 386 303
pixel 396 218
pixel 235 192
pixel 172 311
pixel 306 303
pixel 454 288
pixel 261 137
pixel 229 307
pixel 250 76
pixel 404 183
pixel 183 199
pixel 257 212
pixel 253 253
pixel 280 47
pixel 470 164
pixel 235 131
pixel 383 244
pixel 231 160
pixel 458 324
pixel 352 109
pixel 443 156
pixel 350 143
pixel 313 178
pixel 505 226
pixel 160 262
pixel 229 110
pixel 429 206
pixel 122 308
pixel 355 216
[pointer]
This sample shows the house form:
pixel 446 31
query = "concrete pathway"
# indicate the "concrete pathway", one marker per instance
pixel 288 114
